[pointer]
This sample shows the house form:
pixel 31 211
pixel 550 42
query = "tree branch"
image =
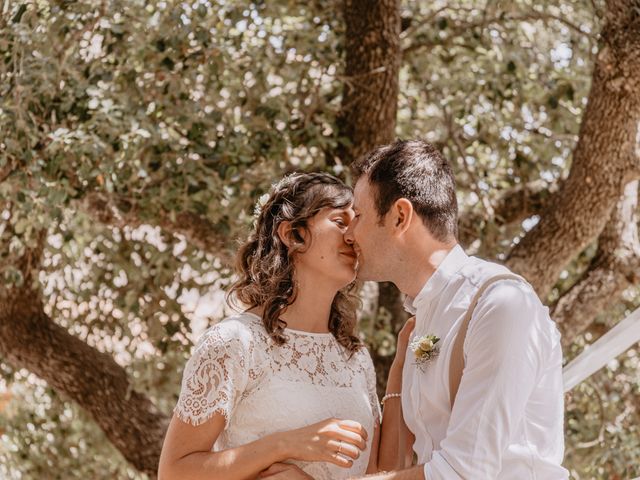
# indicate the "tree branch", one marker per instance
pixel 615 267
pixel 501 18
pixel 513 206
pixel 604 161
pixel 30 339
pixel 198 230
pixel 7 170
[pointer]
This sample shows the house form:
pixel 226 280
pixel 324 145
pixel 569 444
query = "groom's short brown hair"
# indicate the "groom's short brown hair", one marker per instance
pixel 417 171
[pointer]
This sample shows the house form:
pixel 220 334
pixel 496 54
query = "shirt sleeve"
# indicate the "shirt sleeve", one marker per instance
pixel 215 376
pixel 503 350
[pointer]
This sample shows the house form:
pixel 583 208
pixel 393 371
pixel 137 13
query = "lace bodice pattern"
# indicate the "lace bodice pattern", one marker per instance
pixel 260 388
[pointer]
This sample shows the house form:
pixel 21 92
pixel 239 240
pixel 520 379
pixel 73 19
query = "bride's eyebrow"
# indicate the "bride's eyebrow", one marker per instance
pixel 344 212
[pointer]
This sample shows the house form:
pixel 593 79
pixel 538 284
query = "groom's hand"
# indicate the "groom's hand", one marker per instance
pixel 284 471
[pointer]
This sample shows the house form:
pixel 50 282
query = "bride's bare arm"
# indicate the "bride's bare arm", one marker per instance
pixel 396 441
pixel 372 467
pixel 186 451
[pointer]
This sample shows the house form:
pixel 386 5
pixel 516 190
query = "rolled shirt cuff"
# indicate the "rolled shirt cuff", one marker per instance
pixel 439 469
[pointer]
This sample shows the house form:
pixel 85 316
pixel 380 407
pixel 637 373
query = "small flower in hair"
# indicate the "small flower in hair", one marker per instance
pixel 424 349
pixel 262 201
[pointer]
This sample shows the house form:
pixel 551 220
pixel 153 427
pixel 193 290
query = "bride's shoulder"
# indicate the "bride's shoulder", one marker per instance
pixel 240 327
pixel 362 357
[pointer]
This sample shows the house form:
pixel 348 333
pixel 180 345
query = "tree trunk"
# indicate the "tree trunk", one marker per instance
pixel 30 339
pixel 370 96
pixel 614 268
pixel 369 107
pixel 604 161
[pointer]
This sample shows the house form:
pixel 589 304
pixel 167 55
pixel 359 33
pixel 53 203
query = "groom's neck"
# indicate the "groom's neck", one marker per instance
pixel 419 264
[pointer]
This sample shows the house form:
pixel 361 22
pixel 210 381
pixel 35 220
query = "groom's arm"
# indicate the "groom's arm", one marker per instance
pixel 503 351
pixel 504 348
pixel 414 473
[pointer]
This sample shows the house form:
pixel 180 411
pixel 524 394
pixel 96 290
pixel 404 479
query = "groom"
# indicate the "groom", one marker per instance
pixel 485 401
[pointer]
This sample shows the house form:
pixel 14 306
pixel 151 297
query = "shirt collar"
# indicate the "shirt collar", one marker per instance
pixel 452 263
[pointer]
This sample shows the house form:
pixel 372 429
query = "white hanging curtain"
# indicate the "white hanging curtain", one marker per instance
pixel 602 351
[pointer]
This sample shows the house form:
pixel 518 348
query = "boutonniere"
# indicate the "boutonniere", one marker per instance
pixel 424 349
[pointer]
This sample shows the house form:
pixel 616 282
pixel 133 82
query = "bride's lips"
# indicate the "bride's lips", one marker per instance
pixel 351 254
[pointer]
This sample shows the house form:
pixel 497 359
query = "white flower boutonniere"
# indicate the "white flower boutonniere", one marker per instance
pixel 424 348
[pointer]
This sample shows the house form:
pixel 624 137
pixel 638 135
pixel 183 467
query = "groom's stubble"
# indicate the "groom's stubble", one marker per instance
pixel 369 236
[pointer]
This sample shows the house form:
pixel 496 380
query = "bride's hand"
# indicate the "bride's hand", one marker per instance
pixel 331 440
pixel 394 380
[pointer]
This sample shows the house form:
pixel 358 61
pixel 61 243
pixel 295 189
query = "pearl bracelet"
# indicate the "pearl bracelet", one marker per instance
pixel 388 396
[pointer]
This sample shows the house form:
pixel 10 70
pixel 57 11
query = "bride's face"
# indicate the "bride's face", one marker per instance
pixel 326 254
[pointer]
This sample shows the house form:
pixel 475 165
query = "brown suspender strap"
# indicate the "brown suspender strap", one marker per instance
pixel 456 362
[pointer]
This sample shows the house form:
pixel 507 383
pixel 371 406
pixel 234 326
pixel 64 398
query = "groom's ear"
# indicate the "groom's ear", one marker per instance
pixel 403 213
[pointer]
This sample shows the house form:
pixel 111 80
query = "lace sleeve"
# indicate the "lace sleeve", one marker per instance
pixel 370 373
pixel 215 375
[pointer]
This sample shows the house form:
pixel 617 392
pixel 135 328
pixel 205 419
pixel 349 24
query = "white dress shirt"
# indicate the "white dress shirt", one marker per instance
pixel 507 420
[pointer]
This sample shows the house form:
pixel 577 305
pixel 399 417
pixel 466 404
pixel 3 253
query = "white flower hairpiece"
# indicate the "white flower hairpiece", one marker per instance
pixel 257 209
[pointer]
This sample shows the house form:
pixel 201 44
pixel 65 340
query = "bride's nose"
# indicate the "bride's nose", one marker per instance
pixel 348 236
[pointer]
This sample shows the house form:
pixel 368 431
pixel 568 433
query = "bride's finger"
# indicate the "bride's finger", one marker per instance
pixel 356 438
pixel 351 438
pixel 353 426
pixel 407 329
pixel 339 460
pixel 344 448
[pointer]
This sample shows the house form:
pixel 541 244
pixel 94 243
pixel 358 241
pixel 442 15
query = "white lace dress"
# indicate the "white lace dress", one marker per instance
pixel 262 388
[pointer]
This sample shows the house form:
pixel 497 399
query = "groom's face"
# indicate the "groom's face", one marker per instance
pixel 369 237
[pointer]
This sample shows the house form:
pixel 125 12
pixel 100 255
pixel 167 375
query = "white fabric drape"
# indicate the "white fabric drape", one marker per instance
pixel 602 351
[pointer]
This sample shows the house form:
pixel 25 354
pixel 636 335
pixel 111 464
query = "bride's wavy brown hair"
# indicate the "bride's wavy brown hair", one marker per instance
pixel 265 264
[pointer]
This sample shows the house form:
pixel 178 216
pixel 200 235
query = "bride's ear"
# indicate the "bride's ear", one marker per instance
pixel 285 233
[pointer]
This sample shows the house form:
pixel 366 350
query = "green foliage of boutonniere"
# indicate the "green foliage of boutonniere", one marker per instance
pixel 424 349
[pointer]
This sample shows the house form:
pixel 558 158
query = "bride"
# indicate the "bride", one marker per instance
pixel 285 386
